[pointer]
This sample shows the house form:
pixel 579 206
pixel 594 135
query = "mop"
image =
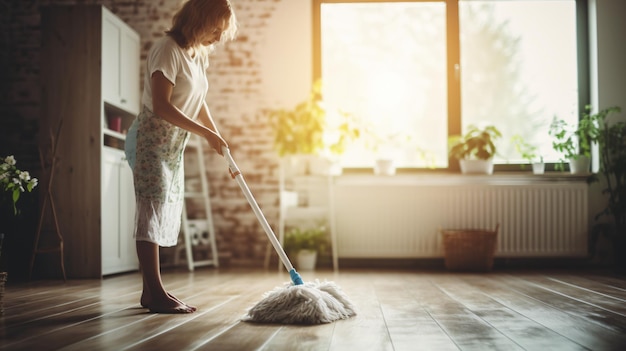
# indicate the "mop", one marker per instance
pixel 297 302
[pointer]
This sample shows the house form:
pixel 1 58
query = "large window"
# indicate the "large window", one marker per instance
pixel 416 72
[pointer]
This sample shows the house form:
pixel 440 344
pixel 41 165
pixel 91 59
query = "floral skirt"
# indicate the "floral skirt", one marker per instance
pixel 155 149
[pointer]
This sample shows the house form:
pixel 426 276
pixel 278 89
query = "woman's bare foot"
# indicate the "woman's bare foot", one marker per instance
pixel 147 302
pixel 176 308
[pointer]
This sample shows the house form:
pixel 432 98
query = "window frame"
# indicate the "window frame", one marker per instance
pixel 453 60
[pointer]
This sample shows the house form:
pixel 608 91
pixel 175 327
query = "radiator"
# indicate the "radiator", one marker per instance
pixel 398 218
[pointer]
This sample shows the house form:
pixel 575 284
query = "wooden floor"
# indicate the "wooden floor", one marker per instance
pixel 398 310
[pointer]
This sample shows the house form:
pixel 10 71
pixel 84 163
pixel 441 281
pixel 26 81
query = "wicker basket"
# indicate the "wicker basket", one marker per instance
pixel 469 249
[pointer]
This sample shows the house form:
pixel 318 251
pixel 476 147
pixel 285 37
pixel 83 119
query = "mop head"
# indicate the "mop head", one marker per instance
pixel 309 303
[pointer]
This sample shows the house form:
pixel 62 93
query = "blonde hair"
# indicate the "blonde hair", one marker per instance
pixel 196 17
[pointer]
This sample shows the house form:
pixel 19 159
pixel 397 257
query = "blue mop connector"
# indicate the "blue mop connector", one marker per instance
pixel 295 277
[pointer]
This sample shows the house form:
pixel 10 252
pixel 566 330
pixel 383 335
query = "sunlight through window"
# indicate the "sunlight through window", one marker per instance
pixel 385 63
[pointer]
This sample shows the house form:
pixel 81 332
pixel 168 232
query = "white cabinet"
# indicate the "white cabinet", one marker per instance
pixel 120 60
pixel 90 77
pixel 118 213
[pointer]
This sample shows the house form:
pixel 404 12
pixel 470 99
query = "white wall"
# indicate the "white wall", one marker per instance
pixel 608 53
pixel 287 54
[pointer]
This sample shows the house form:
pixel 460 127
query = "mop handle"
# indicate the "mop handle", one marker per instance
pixel 257 210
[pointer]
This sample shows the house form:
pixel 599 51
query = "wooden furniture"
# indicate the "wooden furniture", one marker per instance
pixel 48 164
pixel 90 75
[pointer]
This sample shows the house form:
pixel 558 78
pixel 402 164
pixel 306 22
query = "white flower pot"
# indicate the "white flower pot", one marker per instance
pixel 476 166
pixel 384 166
pixel 306 260
pixel 579 165
pixel 539 168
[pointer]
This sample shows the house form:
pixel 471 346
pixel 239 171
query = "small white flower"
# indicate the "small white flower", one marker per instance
pixel 13 181
pixel 24 176
pixel 10 160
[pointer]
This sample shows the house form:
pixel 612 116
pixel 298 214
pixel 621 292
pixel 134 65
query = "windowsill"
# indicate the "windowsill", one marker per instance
pixel 448 178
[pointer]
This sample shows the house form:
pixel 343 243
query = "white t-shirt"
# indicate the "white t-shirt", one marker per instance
pixel 186 73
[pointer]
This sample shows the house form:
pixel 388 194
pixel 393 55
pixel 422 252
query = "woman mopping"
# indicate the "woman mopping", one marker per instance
pixel 175 88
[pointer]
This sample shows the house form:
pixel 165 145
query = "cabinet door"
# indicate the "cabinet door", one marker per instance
pixel 118 214
pixel 112 255
pixel 120 64
pixel 127 217
pixel 129 71
pixel 111 33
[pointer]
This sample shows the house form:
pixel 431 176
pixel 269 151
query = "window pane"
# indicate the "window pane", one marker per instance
pixel 386 64
pixel 519 69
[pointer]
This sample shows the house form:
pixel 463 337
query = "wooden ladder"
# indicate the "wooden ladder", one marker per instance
pixel 48 201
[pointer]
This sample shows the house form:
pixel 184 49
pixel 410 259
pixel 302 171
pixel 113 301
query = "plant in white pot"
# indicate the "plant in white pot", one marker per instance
pixel 574 141
pixel 305 244
pixel 386 145
pixel 310 129
pixel 529 153
pixel 475 149
pixel 383 145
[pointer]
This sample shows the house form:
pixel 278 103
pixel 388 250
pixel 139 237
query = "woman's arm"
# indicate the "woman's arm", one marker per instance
pixel 207 119
pixel 161 94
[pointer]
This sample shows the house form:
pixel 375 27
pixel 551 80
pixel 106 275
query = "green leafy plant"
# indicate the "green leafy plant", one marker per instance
pixel 574 141
pixel 384 145
pixel 313 238
pixel 477 143
pixel 14 182
pixel 526 150
pixel 612 150
pixel 307 130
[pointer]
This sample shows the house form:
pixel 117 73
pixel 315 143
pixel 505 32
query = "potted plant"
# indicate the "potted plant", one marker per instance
pixel 383 145
pixel 529 153
pixel 574 142
pixel 475 149
pixel 612 151
pixel 308 128
pixel 305 244
pixel 13 182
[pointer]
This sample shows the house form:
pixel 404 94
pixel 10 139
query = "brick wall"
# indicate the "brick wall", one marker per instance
pixel 235 99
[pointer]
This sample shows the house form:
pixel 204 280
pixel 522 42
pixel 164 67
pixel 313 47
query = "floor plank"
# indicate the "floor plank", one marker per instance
pixel 576 328
pixel 465 328
pixel 521 330
pixel 397 310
